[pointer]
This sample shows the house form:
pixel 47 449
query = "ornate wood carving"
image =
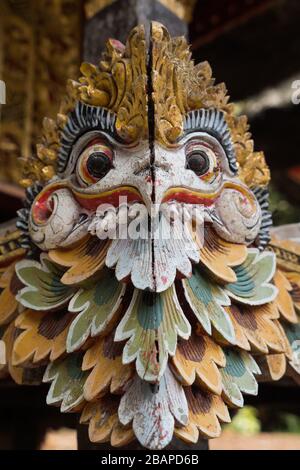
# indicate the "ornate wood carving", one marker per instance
pixel 158 333
pixel 41 47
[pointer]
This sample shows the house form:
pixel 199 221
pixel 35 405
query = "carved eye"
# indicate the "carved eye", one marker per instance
pixel 198 162
pixel 94 162
pixel 98 164
pixel 201 159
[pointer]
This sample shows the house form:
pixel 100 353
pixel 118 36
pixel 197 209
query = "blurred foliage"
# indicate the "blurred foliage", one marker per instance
pixel 245 422
pixel 288 423
pixel 284 212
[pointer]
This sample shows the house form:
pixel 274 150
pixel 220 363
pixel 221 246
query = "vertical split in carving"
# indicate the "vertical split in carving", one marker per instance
pixel 151 128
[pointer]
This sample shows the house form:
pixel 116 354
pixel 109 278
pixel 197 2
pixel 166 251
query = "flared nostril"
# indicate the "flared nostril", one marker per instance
pixel 142 169
pixel 162 165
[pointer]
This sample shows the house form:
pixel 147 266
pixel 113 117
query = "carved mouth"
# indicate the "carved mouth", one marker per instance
pixel 189 196
pixel 92 201
pixel 42 210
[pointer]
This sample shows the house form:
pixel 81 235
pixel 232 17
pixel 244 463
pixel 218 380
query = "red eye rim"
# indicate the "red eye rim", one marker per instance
pixel 83 173
pixel 205 147
pixel 95 141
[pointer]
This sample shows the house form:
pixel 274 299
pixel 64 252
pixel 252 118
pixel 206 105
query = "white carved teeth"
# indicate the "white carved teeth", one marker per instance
pixel 103 209
pixel 187 213
pixel 198 215
pixel 109 220
pixel 92 228
pixel 106 219
pixel 103 222
pixel 184 212
pixel 170 211
pixel 136 210
pixel 123 214
pixel 107 225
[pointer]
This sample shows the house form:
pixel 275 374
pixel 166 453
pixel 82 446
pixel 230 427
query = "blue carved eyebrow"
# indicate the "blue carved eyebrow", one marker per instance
pixel 262 195
pixel 84 118
pixel 212 121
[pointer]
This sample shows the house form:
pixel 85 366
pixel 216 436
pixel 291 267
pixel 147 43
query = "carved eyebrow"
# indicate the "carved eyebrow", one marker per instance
pixel 263 238
pixel 212 121
pixel 83 119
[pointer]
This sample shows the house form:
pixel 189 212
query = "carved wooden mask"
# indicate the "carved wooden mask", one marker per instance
pixel 150 333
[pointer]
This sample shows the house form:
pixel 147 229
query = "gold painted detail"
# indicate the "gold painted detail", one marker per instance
pixel 16 62
pixel 117 83
pixel 253 169
pixel 179 86
pixel 10 247
pixel 40 50
pixel 287 254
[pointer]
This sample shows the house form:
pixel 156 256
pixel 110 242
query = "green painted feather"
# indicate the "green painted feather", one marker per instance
pixel 207 300
pixel 43 290
pixel 151 325
pixel 238 376
pixel 97 306
pixel 67 380
pixel 253 279
pixel 292 332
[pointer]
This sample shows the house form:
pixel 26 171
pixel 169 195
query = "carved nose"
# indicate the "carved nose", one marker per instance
pixel 152 167
pixel 160 173
pixel 162 165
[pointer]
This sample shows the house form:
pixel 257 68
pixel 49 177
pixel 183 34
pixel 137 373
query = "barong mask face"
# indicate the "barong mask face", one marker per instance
pixel 147 136
pixel 146 286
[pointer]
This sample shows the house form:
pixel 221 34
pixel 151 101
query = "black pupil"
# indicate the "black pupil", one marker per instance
pixel 98 164
pixel 198 162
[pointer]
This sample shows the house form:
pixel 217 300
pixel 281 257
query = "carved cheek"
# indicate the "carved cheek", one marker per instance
pixel 240 215
pixel 52 219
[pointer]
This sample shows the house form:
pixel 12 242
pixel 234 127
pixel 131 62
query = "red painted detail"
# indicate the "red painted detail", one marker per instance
pixel 103 148
pixel 95 141
pixel 117 44
pixel 190 198
pixel 92 202
pixel 42 208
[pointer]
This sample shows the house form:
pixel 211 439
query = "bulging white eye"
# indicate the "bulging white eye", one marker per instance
pixel 94 162
pixel 201 159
